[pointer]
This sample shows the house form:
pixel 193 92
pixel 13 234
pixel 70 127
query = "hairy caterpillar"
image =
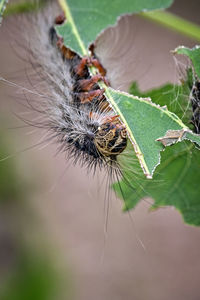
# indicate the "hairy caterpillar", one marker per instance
pixel 89 130
pixel 71 104
pixel 195 103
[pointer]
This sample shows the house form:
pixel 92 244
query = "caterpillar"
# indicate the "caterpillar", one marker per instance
pixel 74 109
pixel 195 103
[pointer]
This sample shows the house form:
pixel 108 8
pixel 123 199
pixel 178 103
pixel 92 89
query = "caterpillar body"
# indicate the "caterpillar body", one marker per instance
pixel 195 103
pixel 74 109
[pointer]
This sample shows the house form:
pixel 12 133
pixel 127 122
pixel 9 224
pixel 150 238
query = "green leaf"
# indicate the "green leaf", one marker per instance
pixel 175 183
pixel 174 96
pixel 87 18
pixel 176 180
pixel 146 122
pixel 177 99
pixel 2 8
pixel 193 54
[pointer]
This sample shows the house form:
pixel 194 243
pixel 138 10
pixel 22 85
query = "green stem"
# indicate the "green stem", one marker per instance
pixel 174 22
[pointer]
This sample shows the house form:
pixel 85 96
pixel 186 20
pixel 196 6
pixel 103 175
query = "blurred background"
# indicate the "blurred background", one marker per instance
pixel 53 243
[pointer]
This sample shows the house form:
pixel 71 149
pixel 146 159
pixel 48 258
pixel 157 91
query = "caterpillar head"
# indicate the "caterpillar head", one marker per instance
pixel 111 138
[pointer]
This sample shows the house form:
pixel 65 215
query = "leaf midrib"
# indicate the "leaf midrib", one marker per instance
pixel 70 19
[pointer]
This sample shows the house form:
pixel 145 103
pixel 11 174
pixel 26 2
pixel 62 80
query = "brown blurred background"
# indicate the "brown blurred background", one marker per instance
pixel 52 239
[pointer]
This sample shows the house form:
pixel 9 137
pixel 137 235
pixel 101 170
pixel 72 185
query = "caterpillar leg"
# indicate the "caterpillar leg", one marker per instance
pixel 96 63
pixel 66 52
pixel 89 96
pixel 88 84
pixel 60 19
pixel 89 61
pixel 80 68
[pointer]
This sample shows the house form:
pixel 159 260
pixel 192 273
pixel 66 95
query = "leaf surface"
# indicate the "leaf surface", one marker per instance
pixel 176 180
pixel 87 18
pixel 175 183
pixel 146 122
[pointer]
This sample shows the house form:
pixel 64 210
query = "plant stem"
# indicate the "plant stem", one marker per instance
pixel 174 22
